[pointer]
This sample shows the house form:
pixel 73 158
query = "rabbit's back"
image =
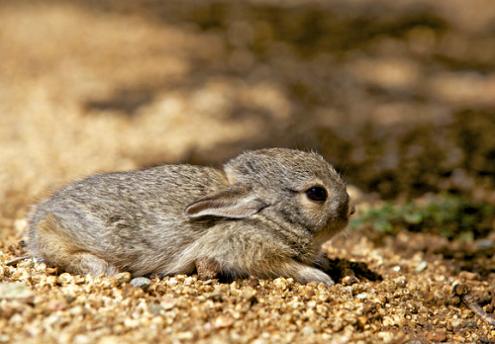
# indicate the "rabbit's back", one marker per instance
pixel 134 219
pixel 168 185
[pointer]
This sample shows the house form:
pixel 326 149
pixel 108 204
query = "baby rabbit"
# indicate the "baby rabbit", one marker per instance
pixel 266 215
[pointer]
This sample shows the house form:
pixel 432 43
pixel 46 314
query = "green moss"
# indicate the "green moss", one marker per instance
pixel 447 215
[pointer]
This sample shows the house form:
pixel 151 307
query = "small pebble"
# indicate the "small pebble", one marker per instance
pixel 485 244
pixel 223 321
pixel 362 296
pixel 308 331
pixel 350 280
pixel 421 266
pixel 362 320
pixel 168 303
pixel 141 282
pixel 470 276
pixel 456 323
pixel 172 282
pixel 400 281
pixel 280 283
pixel 189 281
pixel 460 289
pixel 437 336
pixel 122 277
pixel 65 278
pixel 185 335
pixel 387 337
pixel 248 293
pixel 13 290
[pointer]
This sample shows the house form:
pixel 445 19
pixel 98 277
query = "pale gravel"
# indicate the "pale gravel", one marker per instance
pixel 406 305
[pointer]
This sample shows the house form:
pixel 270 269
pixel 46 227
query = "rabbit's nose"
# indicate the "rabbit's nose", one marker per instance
pixel 352 210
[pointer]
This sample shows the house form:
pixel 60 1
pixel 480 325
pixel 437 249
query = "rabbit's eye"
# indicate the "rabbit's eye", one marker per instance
pixel 317 193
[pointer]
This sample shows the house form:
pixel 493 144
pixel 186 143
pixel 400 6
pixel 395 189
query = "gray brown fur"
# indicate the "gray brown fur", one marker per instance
pixel 253 218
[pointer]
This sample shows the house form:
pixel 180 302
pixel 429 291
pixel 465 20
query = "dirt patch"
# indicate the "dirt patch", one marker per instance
pixel 388 297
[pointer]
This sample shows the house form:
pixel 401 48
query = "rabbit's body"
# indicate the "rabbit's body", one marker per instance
pixel 133 219
pixel 253 219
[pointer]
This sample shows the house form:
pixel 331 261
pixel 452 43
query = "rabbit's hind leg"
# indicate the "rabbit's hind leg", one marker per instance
pixel 55 248
pixel 87 263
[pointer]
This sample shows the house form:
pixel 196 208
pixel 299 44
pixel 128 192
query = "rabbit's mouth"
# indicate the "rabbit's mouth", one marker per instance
pixel 322 237
pixel 352 210
pixel 329 231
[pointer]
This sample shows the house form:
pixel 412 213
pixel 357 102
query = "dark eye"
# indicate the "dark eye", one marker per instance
pixel 317 193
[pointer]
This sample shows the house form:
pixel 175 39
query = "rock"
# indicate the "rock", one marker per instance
pixel 308 331
pixel 223 321
pixel 349 280
pixel 362 320
pixel 12 290
pixel 460 289
pixel 122 277
pixel 248 293
pixel 422 265
pixel 280 283
pixel 141 282
pixel 189 281
pixel 400 282
pixel 386 336
pixel 185 335
pixel 467 275
pixel 362 296
pixel 110 340
pixel 65 278
pixel 172 282
pixel 485 244
pixel 437 336
pixel 168 303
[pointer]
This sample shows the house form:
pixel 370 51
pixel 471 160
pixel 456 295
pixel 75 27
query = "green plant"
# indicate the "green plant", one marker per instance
pixel 448 215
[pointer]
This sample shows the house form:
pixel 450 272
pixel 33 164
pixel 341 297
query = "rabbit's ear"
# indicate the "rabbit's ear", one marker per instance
pixel 234 203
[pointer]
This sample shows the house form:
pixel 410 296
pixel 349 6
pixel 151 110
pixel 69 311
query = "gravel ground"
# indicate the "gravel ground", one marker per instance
pixel 85 89
pixel 420 299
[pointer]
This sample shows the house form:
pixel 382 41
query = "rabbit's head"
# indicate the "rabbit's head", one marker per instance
pixel 297 187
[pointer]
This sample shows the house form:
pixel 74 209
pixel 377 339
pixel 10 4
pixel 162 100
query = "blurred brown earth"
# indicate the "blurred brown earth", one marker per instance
pixel 400 96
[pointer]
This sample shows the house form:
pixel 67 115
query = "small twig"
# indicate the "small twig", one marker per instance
pixel 462 291
pixel 16 260
pixel 478 310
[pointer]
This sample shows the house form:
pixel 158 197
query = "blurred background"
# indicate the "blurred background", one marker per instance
pixel 399 95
